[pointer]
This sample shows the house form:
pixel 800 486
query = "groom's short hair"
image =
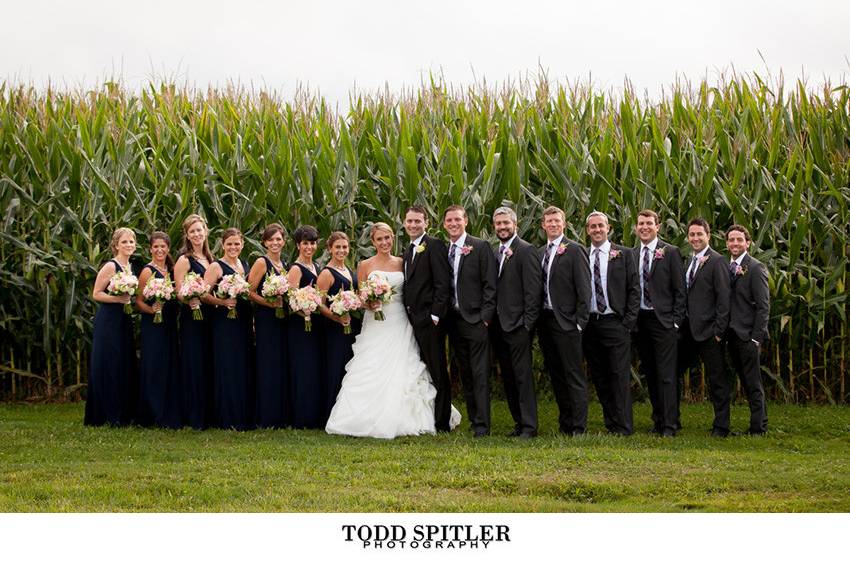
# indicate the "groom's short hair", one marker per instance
pixel 418 210
pixel 453 207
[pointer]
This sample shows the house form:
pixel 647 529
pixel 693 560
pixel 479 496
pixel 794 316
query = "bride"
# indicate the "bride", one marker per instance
pixel 386 391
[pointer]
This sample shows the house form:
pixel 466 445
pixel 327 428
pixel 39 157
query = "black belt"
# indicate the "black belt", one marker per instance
pixel 597 316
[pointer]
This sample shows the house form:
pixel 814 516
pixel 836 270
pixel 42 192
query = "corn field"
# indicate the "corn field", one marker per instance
pixel 75 165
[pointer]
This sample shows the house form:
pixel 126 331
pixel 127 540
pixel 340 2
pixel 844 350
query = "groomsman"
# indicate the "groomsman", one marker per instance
pixel 749 307
pixel 566 298
pixel 614 303
pixel 473 303
pixel 517 308
pixel 662 309
pixel 707 283
pixel 427 295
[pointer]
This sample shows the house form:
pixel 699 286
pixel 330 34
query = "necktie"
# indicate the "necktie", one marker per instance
pixel 502 249
pixel 692 272
pixel 733 269
pixel 645 277
pixel 410 251
pixel 546 258
pixel 452 254
pixel 601 305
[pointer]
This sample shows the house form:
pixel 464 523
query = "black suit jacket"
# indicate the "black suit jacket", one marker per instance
pixel 749 304
pixel 519 291
pixel 476 282
pixel 427 282
pixel 623 286
pixel 708 297
pixel 569 284
pixel 666 284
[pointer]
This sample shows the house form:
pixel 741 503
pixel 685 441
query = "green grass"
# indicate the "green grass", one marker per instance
pixel 50 462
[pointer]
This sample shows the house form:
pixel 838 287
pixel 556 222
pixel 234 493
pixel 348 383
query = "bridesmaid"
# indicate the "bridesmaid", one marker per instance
pixel 111 395
pixel 232 355
pixel 335 277
pixel 271 409
pixel 159 370
pixel 195 338
pixel 305 348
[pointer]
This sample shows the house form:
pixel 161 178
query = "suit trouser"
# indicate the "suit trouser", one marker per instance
pixel 719 386
pixel 513 350
pixel 745 358
pixel 657 350
pixel 562 358
pixel 470 344
pixel 606 345
pixel 431 340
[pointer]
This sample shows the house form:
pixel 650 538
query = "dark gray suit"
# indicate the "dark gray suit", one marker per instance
pixel 749 308
pixel 707 320
pixel 518 300
pixel 559 334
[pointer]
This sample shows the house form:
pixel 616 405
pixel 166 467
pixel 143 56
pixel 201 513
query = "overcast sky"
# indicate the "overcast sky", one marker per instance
pixel 333 46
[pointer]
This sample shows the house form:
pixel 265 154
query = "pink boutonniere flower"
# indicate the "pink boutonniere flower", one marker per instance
pixel 465 250
pixel 613 254
pixel 508 253
pixel 703 259
pixel 561 248
pixel 740 271
pixel 659 253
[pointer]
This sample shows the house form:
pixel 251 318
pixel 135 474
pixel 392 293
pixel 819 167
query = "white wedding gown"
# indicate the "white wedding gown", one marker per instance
pixel 386 391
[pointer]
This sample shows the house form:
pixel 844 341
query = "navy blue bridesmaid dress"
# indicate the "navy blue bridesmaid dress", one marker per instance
pixel 337 344
pixel 233 363
pixel 111 396
pixel 196 360
pixel 272 406
pixel 159 369
pixel 305 364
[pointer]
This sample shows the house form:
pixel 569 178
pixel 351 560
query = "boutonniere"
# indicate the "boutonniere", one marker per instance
pixel 702 260
pixel 508 253
pixel 465 250
pixel 561 248
pixel 740 271
pixel 613 254
pixel 420 248
pixel 659 253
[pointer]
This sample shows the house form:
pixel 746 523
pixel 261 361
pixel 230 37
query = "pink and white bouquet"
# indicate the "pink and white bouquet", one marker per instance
pixel 376 289
pixel 305 300
pixel 194 287
pixel 123 283
pixel 275 286
pixel 158 290
pixel 344 303
pixel 232 286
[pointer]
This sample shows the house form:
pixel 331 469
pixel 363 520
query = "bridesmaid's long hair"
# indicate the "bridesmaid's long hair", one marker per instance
pixel 187 249
pixel 169 261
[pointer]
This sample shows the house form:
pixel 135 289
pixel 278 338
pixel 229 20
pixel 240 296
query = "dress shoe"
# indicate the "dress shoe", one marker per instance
pixel 668 433
pixel 514 433
pixel 756 432
pixel 527 435
pixel 480 434
pixel 654 430
pixel 719 433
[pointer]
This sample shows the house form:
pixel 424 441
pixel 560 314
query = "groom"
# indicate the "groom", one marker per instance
pixel 427 292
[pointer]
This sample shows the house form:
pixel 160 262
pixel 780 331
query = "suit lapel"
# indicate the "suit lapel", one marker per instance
pixel 700 268
pixel 659 246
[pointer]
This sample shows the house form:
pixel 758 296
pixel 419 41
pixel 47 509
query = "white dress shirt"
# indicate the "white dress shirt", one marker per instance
pixel 651 245
pixel 505 255
pixel 458 253
pixel 547 300
pixel 604 251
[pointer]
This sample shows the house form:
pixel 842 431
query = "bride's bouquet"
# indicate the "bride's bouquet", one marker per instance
pixel 123 283
pixel 232 286
pixel 275 286
pixel 194 287
pixel 305 300
pixel 344 303
pixel 376 289
pixel 158 290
